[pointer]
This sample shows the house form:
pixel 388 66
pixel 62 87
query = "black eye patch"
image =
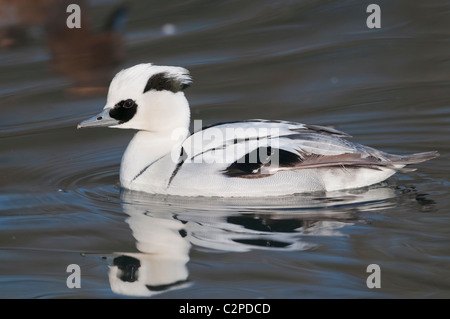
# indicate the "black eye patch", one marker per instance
pixel 123 111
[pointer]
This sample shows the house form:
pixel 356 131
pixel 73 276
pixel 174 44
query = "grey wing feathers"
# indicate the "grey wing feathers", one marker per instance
pixel 292 146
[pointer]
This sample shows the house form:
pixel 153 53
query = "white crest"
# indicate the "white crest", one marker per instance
pixel 158 93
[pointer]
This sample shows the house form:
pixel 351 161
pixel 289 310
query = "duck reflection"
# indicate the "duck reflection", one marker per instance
pixel 166 228
pixel 161 265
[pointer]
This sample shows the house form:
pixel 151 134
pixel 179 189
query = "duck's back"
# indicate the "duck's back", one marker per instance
pixel 272 158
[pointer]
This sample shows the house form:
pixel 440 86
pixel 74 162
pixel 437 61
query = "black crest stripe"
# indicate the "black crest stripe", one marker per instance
pixel 165 81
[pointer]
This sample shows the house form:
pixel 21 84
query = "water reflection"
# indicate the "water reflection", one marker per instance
pixel 166 228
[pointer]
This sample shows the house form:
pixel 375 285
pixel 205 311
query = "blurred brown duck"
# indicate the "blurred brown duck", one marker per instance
pixel 86 56
pixel 18 18
pixel 89 58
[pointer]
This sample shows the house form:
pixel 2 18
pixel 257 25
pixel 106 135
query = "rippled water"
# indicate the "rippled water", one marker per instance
pixel 309 61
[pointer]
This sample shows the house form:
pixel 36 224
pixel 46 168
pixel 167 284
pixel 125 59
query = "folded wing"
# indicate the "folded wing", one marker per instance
pixel 260 148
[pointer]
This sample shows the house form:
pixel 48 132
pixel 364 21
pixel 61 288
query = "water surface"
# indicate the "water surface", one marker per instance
pixel 312 61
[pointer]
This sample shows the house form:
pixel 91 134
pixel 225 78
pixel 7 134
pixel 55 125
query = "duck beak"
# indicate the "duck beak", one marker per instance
pixel 100 120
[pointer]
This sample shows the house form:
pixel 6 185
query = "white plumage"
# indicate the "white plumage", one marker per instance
pixel 248 158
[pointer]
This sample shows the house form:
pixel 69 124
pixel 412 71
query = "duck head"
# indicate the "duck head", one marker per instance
pixel 145 97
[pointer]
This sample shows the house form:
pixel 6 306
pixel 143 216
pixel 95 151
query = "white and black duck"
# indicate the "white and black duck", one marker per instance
pixel 247 158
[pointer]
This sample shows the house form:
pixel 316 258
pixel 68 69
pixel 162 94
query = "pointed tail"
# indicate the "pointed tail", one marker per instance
pixel 400 161
pixel 413 158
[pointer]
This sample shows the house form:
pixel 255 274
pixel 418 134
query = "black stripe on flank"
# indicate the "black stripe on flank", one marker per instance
pixel 287 159
pixel 124 111
pixel 145 168
pixel 250 165
pixel 183 157
pixel 164 82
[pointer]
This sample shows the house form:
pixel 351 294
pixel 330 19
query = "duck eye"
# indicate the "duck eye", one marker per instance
pixel 128 104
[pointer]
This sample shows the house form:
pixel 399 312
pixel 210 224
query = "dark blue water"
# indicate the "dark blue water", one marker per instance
pixel 312 61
